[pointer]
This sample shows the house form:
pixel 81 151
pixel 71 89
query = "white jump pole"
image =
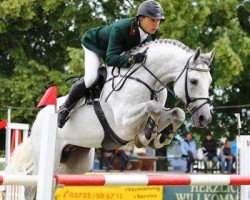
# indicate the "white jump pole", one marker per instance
pixel 244 146
pixel 46 161
pixel 130 179
pixel 14 126
pixel 16 192
pixel 150 179
pixel 8 138
pixel 243 159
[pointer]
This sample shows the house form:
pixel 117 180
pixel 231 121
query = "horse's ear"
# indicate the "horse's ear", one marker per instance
pixel 197 54
pixel 210 55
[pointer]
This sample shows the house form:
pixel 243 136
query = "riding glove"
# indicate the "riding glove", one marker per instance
pixel 137 58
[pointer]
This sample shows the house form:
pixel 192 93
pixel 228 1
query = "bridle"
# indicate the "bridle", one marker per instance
pixel 189 99
pixel 185 70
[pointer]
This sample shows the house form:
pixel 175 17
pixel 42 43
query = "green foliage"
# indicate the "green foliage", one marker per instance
pixel 35 37
pixel 76 61
pixel 17 9
pixel 243 12
pixel 111 10
pixel 26 88
pixel 40 46
pixel 224 56
pixel 209 24
pixel 185 21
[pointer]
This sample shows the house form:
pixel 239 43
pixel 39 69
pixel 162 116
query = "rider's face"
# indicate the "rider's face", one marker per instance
pixel 149 25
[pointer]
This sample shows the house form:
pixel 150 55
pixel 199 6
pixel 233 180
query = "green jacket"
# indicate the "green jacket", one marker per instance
pixel 111 40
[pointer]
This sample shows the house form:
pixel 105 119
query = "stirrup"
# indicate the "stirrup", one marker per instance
pixel 149 128
pixel 63 116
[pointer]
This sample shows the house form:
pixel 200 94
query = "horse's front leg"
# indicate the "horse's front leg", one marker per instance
pixel 169 122
pixel 135 119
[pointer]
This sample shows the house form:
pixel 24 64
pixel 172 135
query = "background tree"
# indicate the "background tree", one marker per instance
pixel 40 46
pixel 211 24
pixel 243 12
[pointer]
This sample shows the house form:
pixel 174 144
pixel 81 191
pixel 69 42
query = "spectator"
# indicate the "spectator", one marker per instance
pixel 188 148
pixel 234 152
pixel 124 153
pixel 108 159
pixel 209 151
pixel 226 157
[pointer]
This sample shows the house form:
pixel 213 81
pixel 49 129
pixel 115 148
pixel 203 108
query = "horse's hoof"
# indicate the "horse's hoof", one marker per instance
pixel 169 139
pixel 151 144
pixel 155 143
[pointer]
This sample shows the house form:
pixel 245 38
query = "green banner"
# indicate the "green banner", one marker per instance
pixel 200 192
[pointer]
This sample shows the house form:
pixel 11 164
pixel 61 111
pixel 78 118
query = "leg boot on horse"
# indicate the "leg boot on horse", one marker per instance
pixel 149 128
pixel 76 92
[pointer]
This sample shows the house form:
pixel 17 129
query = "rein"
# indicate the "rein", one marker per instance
pixel 154 92
pixel 124 78
pixel 122 81
pixel 188 99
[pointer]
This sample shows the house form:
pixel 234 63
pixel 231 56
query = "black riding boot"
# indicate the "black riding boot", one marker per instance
pixel 77 91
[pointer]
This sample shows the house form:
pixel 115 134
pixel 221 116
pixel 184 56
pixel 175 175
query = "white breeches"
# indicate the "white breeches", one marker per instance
pixel 92 63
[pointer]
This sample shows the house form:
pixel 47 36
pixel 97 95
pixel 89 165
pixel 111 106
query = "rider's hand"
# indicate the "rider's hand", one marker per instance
pixel 138 58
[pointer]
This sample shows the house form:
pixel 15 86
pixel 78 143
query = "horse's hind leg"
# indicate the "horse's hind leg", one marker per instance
pixel 77 161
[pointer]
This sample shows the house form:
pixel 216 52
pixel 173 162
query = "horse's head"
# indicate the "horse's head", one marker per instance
pixel 192 86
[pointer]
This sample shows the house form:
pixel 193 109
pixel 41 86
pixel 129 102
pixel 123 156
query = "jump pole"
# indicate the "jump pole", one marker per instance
pixel 12 126
pixel 243 159
pixel 129 179
pixel 151 179
pixel 244 149
pixel 45 183
pixel 8 138
pixel 18 180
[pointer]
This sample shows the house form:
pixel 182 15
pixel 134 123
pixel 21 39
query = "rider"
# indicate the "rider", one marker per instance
pixel 107 43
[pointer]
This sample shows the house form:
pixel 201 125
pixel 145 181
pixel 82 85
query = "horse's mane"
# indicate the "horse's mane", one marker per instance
pixel 165 41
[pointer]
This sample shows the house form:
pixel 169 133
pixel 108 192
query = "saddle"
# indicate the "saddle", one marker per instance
pixel 95 90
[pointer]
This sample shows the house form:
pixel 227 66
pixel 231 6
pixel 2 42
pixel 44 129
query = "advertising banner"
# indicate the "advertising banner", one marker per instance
pixel 200 192
pixel 110 193
pixel 244 152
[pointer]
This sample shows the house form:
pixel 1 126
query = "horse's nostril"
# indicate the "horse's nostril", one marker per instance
pixel 201 118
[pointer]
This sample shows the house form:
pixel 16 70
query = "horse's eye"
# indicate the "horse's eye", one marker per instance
pixel 194 81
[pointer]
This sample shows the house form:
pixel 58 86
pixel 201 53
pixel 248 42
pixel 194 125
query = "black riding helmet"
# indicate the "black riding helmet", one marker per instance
pixel 150 8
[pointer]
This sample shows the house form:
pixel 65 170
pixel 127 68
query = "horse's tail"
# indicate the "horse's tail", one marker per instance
pixel 21 161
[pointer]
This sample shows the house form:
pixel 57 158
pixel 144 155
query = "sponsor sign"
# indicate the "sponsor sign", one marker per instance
pixel 244 152
pixel 200 192
pixel 110 193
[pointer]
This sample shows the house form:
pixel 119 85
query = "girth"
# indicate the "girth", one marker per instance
pixel 110 141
